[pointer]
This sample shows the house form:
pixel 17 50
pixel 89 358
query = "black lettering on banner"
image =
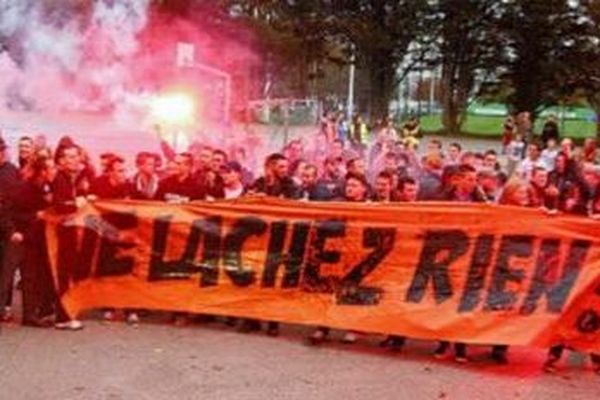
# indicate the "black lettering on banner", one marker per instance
pixel 211 256
pixel 546 275
pixel 381 240
pixel 188 259
pixel 111 241
pixel 186 265
pixel 454 244
pixel 233 243
pixel 511 246
pixel 74 259
pixel 292 260
pixel 209 265
pixel 159 268
pixel 313 280
pixel 480 262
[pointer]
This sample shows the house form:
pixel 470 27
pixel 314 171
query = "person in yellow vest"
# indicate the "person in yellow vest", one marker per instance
pixel 411 131
pixel 359 132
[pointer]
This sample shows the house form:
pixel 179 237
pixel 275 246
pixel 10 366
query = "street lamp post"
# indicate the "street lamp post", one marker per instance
pixel 350 104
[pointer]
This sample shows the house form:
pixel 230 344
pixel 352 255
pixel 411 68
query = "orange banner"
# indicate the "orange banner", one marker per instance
pixel 471 273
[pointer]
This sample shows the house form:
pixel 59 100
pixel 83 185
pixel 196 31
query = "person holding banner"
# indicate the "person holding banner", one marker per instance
pixel 384 188
pixel 212 180
pixel 555 353
pixel 541 192
pixel 231 174
pixel 144 184
pixel 430 183
pixel 36 280
pixel 69 189
pixel 113 185
pixel 356 191
pixel 181 186
pixel 309 188
pixel 465 189
pixel 515 193
pixel 10 238
pixel 277 183
pixel 408 190
pixel 10 252
pixel 331 181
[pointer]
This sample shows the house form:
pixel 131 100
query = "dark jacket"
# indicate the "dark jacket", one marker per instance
pixel 430 187
pixel 7 226
pixel 215 188
pixel 32 199
pixel 330 188
pixel 477 196
pixel 104 189
pixel 9 177
pixel 316 192
pixel 189 188
pixel 66 187
pixel 285 188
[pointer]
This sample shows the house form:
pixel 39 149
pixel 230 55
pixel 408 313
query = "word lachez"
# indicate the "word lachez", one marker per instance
pixel 103 248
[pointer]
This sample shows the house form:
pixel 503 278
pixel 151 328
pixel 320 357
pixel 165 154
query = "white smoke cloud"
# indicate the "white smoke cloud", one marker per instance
pixel 59 59
pixel 11 15
pixel 121 22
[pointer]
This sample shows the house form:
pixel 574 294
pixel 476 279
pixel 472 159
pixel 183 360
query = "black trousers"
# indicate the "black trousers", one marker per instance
pixel 36 278
pixel 557 352
pixel 12 259
pixel 458 347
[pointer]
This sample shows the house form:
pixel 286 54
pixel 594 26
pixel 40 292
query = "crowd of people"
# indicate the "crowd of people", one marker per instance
pixel 342 162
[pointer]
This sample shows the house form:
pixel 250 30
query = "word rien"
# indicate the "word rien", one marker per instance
pixel 308 251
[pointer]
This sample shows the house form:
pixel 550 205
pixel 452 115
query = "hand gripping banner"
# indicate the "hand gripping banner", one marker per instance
pixel 470 273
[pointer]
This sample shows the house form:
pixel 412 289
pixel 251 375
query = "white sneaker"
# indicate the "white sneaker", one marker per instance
pixel 72 325
pixel 133 318
pixel 6 315
pixel 349 338
pixel 108 315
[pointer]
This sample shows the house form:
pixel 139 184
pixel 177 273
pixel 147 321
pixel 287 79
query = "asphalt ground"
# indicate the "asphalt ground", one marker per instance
pixel 157 360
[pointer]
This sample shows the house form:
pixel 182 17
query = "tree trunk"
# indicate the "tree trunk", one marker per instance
pixel 450 119
pixel 381 78
pixel 527 98
pixel 455 90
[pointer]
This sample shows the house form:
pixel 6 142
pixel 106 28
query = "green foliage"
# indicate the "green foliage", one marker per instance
pixel 492 126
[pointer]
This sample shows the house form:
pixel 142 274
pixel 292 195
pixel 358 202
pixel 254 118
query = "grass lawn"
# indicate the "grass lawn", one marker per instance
pixel 492 126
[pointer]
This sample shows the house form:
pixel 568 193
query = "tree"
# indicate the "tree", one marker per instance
pixel 585 77
pixel 380 33
pixel 294 38
pixel 466 48
pixel 540 39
